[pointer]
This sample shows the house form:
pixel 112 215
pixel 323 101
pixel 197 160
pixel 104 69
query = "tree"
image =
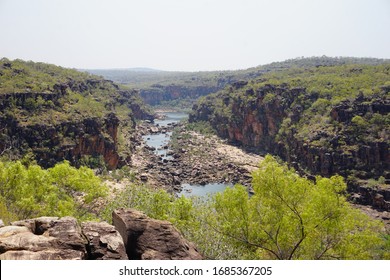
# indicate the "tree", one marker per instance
pixel 30 191
pixel 290 217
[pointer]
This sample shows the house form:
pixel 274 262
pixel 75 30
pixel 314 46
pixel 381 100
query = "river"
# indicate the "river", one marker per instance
pixel 199 190
pixel 160 143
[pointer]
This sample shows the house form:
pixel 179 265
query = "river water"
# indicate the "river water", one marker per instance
pixel 199 190
pixel 161 140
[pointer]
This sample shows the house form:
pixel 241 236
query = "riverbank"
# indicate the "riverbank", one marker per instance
pixel 198 159
pixel 194 159
pixel 209 159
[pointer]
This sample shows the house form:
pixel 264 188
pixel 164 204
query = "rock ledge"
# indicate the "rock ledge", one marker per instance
pixel 53 238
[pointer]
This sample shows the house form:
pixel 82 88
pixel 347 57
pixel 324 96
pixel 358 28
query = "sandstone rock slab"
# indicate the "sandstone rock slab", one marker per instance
pixel 104 242
pixel 45 238
pixel 150 239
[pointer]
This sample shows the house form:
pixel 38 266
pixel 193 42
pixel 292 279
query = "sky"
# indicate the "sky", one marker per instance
pixel 190 35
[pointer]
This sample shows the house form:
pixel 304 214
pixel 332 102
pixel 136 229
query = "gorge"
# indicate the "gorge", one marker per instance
pixel 322 117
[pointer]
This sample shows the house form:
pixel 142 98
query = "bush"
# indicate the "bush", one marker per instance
pixel 288 217
pixel 201 127
pixel 30 191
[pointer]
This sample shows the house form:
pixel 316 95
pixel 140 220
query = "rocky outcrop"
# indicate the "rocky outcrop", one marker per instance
pixel 20 98
pixel 132 100
pixel 68 140
pixel 267 120
pixel 255 122
pixel 53 238
pixel 150 239
pixel 45 238
pixel 375 196
pixel 56 114
pixel 104 241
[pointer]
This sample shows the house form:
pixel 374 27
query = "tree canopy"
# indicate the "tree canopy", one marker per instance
pixel 28 191
pixel 287 217
pixel 291 217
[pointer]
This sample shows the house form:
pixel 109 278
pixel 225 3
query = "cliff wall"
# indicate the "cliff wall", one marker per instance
pixel 273 119
pixel 68 140
pixel 56 114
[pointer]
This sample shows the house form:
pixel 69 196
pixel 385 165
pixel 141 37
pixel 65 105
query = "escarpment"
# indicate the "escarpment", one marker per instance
pixel 314 131
pixel 66 140
pixel 257 125
pixel 57 114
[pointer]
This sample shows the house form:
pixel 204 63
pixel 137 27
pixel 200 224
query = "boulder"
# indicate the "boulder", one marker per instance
pixel 150 239
pixel 45 238
pixel 104 242
pixel 176 172
pixel 144 177
pixel 134 236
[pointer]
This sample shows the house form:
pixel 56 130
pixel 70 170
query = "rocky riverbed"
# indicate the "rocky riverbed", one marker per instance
pixel 202 159
pixel 195 159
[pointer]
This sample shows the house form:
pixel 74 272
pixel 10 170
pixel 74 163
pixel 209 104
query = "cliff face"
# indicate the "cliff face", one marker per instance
pixel 68 140
pixel 60 114
pixel 256 124
pixel 271 119
pixel 132 100
pixel 253 123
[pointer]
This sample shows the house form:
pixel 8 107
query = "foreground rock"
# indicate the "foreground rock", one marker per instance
pixel 53 238
pixel 45 238
pixel 104 241
pixel 150 239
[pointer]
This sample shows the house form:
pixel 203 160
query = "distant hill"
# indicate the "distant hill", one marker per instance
pixel 117 72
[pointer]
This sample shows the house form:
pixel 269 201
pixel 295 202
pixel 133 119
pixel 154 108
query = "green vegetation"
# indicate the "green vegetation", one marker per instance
pixel 183 88
pixel 40 92
pixel 201 127
pixel 288 217
pixel 45 107
pixel 21 76
pixel 339 109
pixel 28 191
pixel 143 79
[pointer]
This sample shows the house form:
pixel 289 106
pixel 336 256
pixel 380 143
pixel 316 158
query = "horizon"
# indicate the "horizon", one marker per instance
pixel 191 36
pixel 147 69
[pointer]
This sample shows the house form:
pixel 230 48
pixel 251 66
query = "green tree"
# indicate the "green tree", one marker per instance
pixel 30 191
pixel 290 217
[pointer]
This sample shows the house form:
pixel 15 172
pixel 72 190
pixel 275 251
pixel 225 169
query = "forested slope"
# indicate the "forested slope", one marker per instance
pixel 323 120
pixel 55 113
pixel 183 88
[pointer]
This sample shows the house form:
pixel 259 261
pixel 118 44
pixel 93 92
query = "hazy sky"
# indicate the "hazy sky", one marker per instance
pixel 190 34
